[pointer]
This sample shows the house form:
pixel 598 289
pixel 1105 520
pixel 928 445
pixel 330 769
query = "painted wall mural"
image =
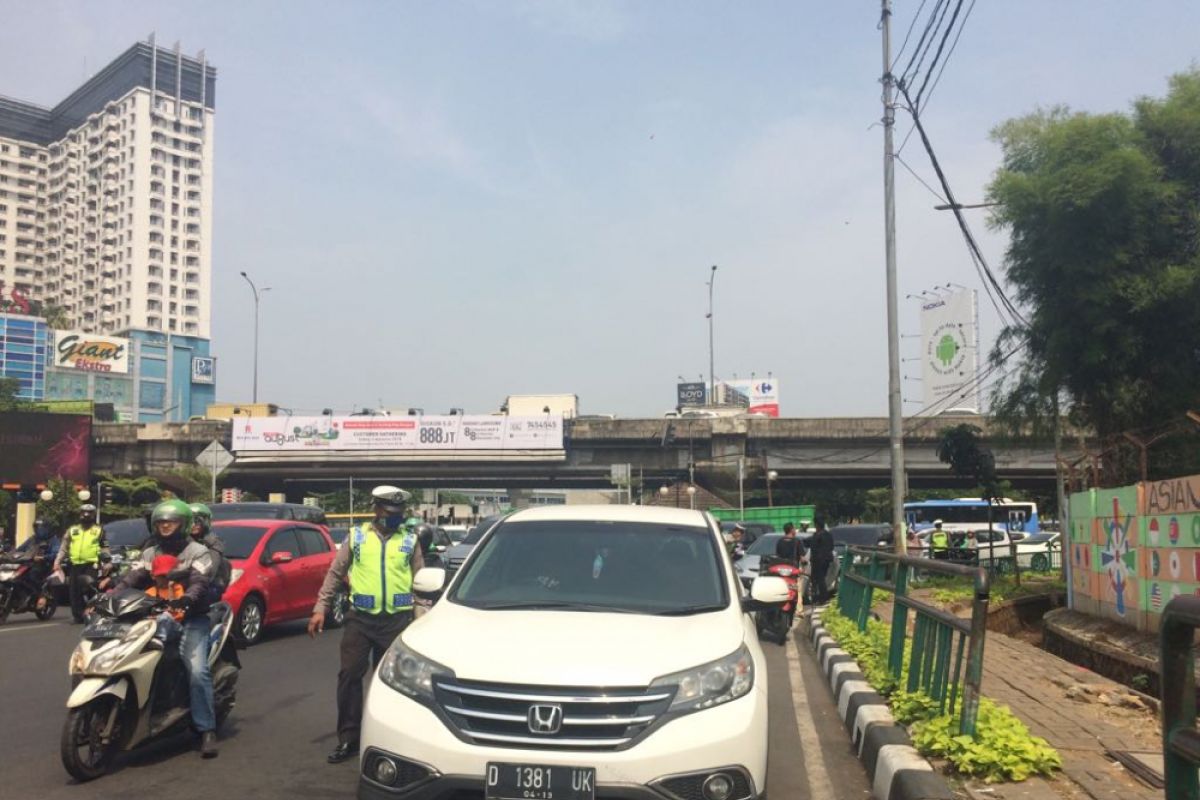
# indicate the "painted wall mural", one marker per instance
pixel 1134 548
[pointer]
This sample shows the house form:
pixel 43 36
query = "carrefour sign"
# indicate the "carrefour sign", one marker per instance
pixel 90 352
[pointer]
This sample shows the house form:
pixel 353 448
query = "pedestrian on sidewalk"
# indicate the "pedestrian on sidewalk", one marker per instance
pixel 378 561
pixel 820 548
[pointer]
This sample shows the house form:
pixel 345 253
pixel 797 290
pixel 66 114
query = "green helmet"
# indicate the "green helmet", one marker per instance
pixel 170 510
pixel 202 516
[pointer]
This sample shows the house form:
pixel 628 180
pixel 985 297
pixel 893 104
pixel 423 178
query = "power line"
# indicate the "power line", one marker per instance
pixel 941 47
pixel 921 180
pixel 973 246
pixel 962 26
pixel 934 28
pixel 911 25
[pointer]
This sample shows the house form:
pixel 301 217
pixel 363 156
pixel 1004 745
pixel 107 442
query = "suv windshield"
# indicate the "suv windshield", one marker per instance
pixel 595 566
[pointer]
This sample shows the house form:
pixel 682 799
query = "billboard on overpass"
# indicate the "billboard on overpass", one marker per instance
pixel 761 396
pixel 434 433
pixel 35 447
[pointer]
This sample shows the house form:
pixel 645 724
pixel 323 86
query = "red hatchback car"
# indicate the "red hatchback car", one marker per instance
pixel 278 567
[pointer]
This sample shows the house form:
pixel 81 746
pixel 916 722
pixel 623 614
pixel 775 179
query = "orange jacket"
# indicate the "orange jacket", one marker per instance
pixel 174 591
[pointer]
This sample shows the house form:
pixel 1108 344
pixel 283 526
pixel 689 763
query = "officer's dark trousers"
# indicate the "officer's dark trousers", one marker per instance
pixel 820 591
pixel 79 579
pixel 365 638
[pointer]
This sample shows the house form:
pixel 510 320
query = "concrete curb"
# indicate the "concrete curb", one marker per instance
pixel 894 767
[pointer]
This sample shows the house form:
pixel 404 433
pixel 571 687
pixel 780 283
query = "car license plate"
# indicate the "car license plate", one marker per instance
pixel 539 782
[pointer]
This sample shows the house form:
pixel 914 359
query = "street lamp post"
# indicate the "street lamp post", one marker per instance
pixel 772 476
pixel 712 382
pixel 254 289
pixel 691 490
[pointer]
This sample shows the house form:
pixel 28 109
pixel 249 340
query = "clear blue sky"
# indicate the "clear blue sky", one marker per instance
pixel 457 201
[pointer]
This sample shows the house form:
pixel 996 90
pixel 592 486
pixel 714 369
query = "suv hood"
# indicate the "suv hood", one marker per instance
pixel 571 648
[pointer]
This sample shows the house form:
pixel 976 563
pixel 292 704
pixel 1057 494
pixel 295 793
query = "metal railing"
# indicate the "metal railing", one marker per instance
pixel 939 641
pixel 1177 658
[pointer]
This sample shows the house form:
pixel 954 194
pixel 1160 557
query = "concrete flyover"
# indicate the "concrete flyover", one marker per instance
pixel 847 451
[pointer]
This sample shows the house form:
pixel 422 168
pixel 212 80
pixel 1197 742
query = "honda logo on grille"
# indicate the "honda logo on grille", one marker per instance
pixel 545 719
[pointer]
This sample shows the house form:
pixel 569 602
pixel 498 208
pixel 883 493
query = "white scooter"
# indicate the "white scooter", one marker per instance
pixel 128 688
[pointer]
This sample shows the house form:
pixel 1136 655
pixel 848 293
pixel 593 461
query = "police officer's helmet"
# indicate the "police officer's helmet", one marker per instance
pixel 937 523
pixel 86 509
pixel 392 498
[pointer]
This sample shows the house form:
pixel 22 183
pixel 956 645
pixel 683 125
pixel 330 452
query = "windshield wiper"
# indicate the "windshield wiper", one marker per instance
pixel 553 605
pixel 684 611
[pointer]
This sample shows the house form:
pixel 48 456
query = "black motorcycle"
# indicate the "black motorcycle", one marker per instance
pixel 23 586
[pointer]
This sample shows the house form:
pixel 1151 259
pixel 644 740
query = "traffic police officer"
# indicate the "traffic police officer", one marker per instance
pixel 378 561
pixel 82 548
pixel 939 541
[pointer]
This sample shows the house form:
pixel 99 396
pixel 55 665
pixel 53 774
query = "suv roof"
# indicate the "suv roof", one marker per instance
pixel 612 513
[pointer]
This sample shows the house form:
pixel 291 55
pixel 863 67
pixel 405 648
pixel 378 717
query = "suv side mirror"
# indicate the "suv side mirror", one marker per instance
pixel 282 557
pixel 429 583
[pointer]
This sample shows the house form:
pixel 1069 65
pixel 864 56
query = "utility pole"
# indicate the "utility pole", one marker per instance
pixel 712 382
pixel 895 411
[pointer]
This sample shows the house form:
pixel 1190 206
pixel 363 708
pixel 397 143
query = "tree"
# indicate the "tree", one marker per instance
pixel 1102 212
pixel 62 511
pixel 55 315
pixel 129 495
pixel 9 387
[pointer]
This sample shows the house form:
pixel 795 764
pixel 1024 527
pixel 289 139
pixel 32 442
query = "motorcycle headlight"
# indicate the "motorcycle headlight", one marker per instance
pixel 78 660
pixel 107 658
pixel 711 684
pixel 235 575
pixel 409 672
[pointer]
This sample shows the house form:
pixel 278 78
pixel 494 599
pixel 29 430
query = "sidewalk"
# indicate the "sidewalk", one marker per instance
pixel 1080 713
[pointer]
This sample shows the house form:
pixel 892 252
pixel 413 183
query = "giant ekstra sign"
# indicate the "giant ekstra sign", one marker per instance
pixel 90 352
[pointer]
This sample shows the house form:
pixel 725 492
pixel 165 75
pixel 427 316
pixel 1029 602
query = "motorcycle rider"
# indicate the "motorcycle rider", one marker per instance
pixel 172 522
pixel 82 548
pixel 382 603
pixel 202 533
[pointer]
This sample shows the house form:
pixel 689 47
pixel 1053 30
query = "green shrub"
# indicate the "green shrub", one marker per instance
pixel 1001 750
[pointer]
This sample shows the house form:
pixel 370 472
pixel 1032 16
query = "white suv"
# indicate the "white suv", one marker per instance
pixel 579 653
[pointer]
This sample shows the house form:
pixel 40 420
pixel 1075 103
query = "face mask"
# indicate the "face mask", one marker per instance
pixel 393 521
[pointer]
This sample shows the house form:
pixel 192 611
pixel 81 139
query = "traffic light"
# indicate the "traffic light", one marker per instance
pixel 104 495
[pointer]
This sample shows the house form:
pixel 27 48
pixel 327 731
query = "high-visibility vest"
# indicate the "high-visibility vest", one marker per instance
pixel 85 544
pixel 380 571
pixel 940 540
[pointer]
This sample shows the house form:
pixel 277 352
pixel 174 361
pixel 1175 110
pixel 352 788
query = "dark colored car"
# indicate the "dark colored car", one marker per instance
pixel 278 568
pixel 297 511
pixel 456 554
pixel 754 530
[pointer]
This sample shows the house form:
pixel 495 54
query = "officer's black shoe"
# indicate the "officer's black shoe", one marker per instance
pixel 343 751
pixel 208 744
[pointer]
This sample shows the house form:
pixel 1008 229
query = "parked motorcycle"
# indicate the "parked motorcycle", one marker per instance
pixel 22 583
pixel 128 688
pixel 777 621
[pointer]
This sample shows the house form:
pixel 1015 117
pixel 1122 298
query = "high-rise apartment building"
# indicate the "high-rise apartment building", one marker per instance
pixel 106 198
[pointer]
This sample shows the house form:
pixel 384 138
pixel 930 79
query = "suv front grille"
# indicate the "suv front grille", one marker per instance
pixel 592 719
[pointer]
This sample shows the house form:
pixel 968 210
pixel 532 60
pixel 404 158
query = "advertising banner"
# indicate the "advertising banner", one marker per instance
pixel 763 395
pixel 90 352
pixel 949 352
pixel 690 394
pixel 203 369
pixel 35 447
pixel 441 433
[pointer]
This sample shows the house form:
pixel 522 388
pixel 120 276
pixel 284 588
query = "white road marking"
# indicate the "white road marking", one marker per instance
pixel 34 627
pixel 819 784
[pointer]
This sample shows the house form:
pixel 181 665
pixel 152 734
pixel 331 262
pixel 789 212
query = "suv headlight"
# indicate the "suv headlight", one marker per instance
pixel 409 672
pixel 711 684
